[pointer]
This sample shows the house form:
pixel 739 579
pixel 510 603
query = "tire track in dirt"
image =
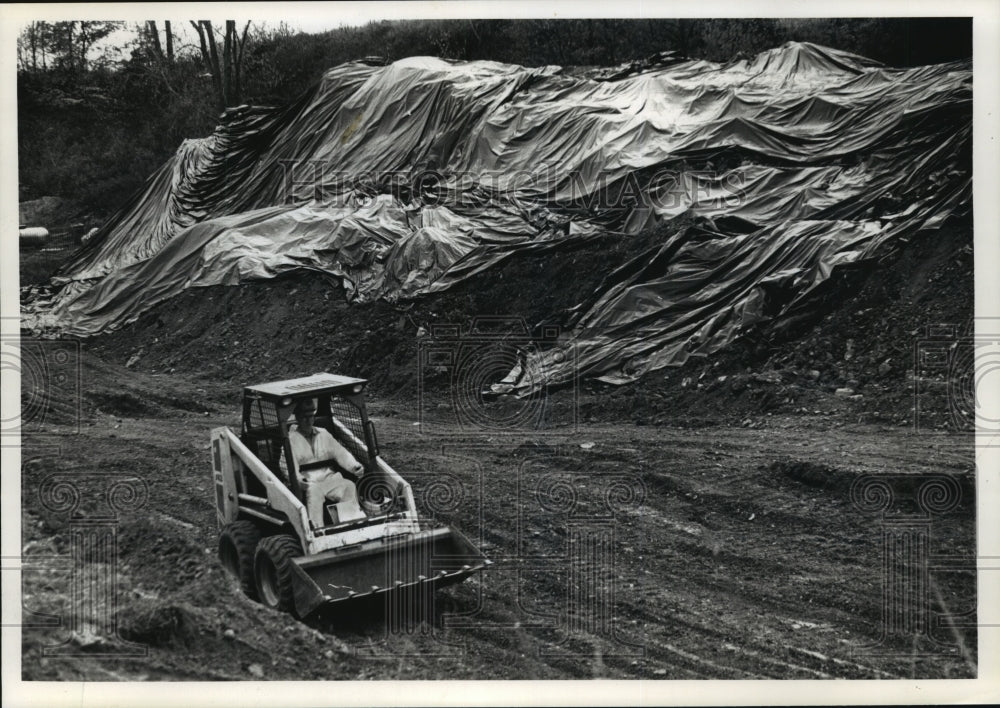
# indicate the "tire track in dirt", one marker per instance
pixel 726 567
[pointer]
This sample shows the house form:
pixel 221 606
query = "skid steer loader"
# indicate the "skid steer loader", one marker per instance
pixel 292 562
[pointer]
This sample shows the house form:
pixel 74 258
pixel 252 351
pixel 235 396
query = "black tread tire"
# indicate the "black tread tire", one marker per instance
pixel 237 546
pixel 272 570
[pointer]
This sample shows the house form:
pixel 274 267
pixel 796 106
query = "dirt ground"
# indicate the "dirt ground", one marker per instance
pixel 723 552
pixel 697 524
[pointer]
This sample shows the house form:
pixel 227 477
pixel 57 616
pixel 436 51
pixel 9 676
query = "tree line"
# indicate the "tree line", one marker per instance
pixel 97 116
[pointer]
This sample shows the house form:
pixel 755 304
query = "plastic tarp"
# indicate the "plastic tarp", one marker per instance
pixel 408 178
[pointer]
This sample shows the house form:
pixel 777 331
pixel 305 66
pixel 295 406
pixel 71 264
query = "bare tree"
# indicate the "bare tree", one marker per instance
pixel 31 43
pixel 238 64
pixel 154 38
pixel 227 71
pixel 89 34
pixel 170 40
pixel 153 35
pixel 67 43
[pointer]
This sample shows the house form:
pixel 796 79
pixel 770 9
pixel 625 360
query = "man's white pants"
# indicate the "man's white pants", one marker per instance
pixel 325 484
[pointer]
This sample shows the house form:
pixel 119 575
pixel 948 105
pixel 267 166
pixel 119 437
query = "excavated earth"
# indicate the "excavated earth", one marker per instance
pixel 696 524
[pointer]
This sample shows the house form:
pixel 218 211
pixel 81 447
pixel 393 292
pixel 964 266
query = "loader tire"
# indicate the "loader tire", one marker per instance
pixel 273 571
pixel 237 544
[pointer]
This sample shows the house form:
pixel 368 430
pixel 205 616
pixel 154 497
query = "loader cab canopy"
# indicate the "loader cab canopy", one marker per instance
pixel 306 387
pixel 268 414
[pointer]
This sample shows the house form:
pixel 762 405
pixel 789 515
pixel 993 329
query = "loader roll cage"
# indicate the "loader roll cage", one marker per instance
pixel 281 555
pixel 268 412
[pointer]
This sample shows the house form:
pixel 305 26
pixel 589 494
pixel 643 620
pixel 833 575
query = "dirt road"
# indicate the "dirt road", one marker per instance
pixel 620 550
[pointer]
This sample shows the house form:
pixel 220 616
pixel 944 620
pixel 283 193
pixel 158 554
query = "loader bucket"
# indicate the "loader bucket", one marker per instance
pixel 422 561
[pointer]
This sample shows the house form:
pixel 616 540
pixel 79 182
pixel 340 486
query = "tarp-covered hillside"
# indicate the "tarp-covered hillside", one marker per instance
pixel 405 179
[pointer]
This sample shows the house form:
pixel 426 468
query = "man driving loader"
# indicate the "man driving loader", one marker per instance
pixel 312 444
pixel 273 534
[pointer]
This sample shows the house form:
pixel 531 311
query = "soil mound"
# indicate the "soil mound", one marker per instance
pixel 859 334
pixel 295 326
pixel 162 625
pixel 174 558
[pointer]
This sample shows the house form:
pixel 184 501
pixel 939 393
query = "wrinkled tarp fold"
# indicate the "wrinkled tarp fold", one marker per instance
pixel 409 178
